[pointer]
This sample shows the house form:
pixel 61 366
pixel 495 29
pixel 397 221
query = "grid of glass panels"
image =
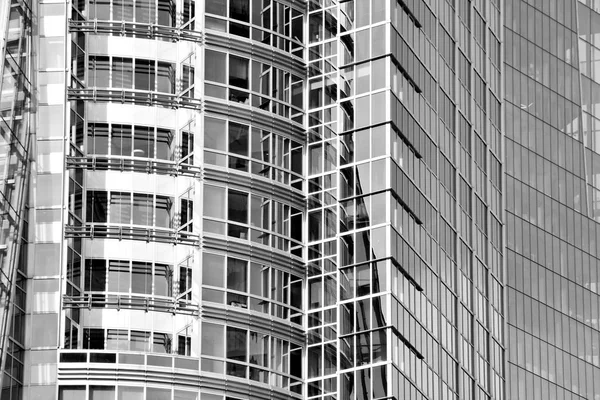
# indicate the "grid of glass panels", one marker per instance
pixel 552 219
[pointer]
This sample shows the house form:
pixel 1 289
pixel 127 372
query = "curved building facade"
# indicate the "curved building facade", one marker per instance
pixel 178 211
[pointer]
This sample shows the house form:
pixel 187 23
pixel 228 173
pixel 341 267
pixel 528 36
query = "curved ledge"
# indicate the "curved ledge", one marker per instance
pixel 76 373
pixel 104 231
pixel 268 255
pixel 134 96
pixel 147 31
pixel 258 51
pixel 282 193
pixel 280 125
pixel 122 164
pixel 255 321
pixel 129 302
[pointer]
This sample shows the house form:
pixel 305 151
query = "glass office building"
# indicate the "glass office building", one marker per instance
pixel 254 199
pixel 552 192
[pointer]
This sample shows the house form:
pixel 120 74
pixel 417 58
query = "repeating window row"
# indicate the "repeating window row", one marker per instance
pixel 129 73
pixel 134 208
pixel 261 152
pixel 137 141
pixel 132 340
pixel 161 12
pixel 251 355
pixel 252 217
pixel 135 277
pixel 233 77
pixel 122 392
pixel 270 22
pixel 253 286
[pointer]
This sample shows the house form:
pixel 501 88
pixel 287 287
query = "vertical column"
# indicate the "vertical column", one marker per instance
pixel 46 204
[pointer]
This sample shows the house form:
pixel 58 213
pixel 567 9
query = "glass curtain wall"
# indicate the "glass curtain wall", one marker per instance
pixel 552 187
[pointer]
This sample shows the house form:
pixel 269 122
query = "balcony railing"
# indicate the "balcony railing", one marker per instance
pixel 146 303
pixel 102 231
pixel 134 97
pixel 136 165
pixel 125 28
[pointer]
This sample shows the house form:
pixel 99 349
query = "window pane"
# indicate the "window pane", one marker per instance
pixel 166 78
pixel 98 138
pixel 237 207
pixel 214 134
pixel 215 66
pixel 93 338
pixel 259 349
pixel 145 12
pixel 140 341
pixel 144 75
pixel 163 275
pixel 99 70
pixel 96 206
pixel 238 138
pixel 142 209
pixel 161 343
pixel 240 10
pixel 122 70
pixel 141 278
pixel 215 197
pixel 163 211
pixel 95 275
pixel 237 274
pixel 236 344
pixel 166 13
pixel 164 139
pixel 71 393
pixel 102 392
pixel 52 52
pixel 118 276
pixel 117 339
pixel 212 340
pixel 123 10
pixel 238 72
pixel 218 7
pixel 100 9
pixel 143 142
pixel 213 270
pixel 120 207
pixel 131 393
pixel 120 144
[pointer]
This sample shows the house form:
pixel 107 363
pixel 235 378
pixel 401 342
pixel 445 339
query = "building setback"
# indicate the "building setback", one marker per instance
pixel 257 199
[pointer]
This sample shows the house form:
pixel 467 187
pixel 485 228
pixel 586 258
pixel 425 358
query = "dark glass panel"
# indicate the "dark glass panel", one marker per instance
pixel 238 72
pixel 144 74
pixel 240 10
pixel 97 205
pixel 238 138
pixel 237 274
pixel 95 275
pixel 93 338
pixel 164 139
pixel 237 344
pixel 237 209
